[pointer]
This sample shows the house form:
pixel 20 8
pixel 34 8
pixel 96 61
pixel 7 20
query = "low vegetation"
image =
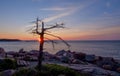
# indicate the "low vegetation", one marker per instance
pixel 48 70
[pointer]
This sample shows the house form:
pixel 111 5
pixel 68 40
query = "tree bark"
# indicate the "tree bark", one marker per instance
pixel 40 57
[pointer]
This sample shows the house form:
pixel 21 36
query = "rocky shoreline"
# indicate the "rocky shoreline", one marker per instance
pixel 92 64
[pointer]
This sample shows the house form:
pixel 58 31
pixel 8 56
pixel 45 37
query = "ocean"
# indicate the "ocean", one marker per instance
pixel 99 48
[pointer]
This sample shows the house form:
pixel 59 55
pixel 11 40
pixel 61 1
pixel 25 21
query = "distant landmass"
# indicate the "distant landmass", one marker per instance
pixel 12 40
pixel 9 40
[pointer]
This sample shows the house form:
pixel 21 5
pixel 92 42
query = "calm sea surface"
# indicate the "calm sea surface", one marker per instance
pixel 100 48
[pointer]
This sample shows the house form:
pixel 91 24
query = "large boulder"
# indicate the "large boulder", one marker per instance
pixel 63 53
pixel 60 53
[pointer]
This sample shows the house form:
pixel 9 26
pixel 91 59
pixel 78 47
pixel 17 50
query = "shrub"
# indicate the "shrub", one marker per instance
pixel 7 64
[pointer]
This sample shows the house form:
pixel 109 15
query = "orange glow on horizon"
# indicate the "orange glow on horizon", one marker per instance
pixel 38 39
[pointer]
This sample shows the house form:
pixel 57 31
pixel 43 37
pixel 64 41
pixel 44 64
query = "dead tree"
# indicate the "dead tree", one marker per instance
pixel 42 31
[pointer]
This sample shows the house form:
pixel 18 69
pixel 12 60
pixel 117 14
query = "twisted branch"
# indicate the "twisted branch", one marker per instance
pixel 60 39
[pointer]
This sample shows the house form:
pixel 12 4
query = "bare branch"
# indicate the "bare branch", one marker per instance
pixel 53 42
pixel 55 26
pixel 59 38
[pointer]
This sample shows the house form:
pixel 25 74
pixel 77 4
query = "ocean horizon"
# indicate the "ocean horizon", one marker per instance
pixel 106 48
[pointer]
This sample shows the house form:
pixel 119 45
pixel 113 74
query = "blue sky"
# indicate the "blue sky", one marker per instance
pixel 84 19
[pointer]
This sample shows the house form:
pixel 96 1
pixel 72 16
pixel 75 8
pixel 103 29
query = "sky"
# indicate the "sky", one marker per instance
pixel 83 19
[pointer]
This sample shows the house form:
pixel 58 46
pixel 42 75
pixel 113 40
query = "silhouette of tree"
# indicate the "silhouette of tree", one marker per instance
pixel 42 31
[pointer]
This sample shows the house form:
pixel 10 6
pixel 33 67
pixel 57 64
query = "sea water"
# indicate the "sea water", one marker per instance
pixel 99 48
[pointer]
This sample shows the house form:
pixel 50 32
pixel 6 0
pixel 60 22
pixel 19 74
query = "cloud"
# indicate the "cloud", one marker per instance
pixel 59 16
pixel 68 11
pixel 55 17
pixel 54 9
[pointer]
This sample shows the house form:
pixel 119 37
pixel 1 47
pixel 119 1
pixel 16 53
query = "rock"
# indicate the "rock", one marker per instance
pixel 64 59
pixel 99 61
pixel 60 53
pixel 11 52
pixel 21 50
pixel 34 52
pixel 80 56
pixel 108 60
pixel 118 69
pixel 76 61
pixel 2 52
pixel 102 72
pixel 68 55
pixel 22 63
pixel 88 70
pixel 90 58
pixel 7 73
pixel 108 67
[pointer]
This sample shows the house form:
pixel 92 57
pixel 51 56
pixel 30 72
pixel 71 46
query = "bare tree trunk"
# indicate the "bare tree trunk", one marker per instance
pixel 41 48
pixel 41 33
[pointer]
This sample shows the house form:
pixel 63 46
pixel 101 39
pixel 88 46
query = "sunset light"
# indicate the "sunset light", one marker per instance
pixel 83 19
pixel 59 37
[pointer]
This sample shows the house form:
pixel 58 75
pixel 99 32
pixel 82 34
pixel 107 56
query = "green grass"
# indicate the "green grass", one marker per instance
pixel 48 70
